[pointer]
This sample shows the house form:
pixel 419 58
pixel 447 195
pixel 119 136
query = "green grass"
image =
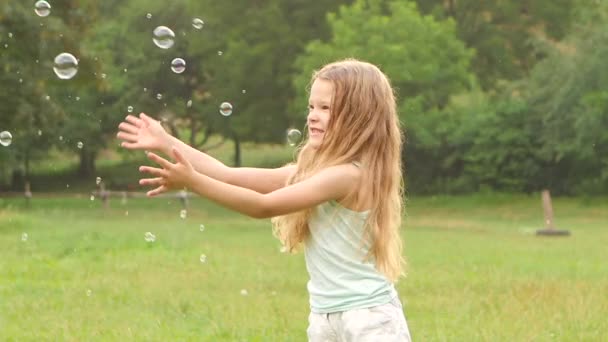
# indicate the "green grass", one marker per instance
pixel 476 272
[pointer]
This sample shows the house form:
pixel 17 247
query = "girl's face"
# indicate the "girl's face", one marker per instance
pixel 319 108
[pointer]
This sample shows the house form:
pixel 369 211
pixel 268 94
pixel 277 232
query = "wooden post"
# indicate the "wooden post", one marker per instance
pixel 27 194
pixel 104 194
pixel 548 213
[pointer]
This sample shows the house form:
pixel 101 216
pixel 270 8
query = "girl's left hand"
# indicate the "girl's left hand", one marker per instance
pixel 170 176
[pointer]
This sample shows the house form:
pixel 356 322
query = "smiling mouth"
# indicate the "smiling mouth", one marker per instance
pixel 316 131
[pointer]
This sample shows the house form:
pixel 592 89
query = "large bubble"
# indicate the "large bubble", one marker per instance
pixel 6 138
pixel 226 109
pixel 163 37
pixel 66 66
pixel 42 8
pixel 178 65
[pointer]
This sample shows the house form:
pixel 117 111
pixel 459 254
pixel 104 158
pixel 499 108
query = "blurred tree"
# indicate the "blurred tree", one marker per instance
pixel 423 58
pixel 503 32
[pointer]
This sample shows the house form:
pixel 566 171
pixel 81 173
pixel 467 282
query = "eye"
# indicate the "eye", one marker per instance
pixel 310 107
pixel 325 107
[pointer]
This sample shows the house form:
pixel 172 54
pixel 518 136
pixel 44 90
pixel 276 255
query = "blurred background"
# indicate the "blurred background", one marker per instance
pixel 499 100
pixel 494 95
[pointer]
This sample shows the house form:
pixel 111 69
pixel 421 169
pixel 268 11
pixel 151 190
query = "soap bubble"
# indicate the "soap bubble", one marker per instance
pixel 159 96
pixel 24 237
pixel 244 292
pixel 203 258
pixel 42 8
pixel 97 180
pixel 225 109
pixel 202 227
pixel 80 145
pixel 163 37
pixel 130 109
pixel 293 137
pixel 219 53
pixel 6 138
pixel 183 213
pixel 197 23
pixel 178 65
pixel 189 103
pixel 66 66
pixel 149 15
pixel 149 237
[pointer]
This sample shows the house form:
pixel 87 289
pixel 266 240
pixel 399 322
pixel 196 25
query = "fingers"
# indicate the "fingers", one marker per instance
pixel 152 181
pixel 159 160
pixel 129 128
pixel 157 191
pixel 146 118
pixel 134 120
pixel 154 171
pixel 177 155
pixel 127 136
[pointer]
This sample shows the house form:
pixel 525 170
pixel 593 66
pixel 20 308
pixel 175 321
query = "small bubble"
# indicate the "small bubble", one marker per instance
pixel 243 91
pixel 10 35
pixel 39 132
pixel 77 98
pixel 225 109
pixel 149 237
pixel 24 237
pixel 80 145
pixel 219 53
pixel 203 258
pixel 293 137
pixel 89 293
pixel 197 23
pixel 159 96
pixel 130 109
pixel 183 213
pixel 244 292
pixel 47 98
pixel 92 197
pixel 104 75
pixel 201 227
pixel 21 80
pixel 97 180
pixel 61 138
pixel 149 15
pixel 125 69
pixel 145 89
pixel 67 186
pixel 189 103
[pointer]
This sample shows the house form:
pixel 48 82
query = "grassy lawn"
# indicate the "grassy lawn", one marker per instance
pixel 476 272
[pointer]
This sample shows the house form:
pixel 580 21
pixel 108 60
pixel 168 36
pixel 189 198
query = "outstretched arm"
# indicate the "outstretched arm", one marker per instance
pixel 145 133
pixel 332 183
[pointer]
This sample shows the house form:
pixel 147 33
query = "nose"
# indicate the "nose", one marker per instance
pixel 312 116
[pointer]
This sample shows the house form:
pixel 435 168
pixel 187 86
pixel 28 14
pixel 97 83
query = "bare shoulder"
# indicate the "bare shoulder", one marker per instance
pixel 347 174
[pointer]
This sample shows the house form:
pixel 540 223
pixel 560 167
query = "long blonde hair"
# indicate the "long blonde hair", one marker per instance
pixel 363 127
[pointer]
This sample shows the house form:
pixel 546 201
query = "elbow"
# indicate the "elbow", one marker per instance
pixel 263 210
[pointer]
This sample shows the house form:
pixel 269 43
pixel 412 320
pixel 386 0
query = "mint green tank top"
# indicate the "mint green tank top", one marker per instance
pixel 340 279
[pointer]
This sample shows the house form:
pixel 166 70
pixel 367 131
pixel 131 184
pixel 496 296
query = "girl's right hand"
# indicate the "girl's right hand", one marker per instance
pixel 142 133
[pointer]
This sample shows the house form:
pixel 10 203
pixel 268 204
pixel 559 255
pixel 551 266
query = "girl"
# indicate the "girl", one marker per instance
pixel 341 201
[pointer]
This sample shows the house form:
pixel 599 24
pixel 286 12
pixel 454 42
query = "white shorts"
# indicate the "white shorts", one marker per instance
pixel 385 323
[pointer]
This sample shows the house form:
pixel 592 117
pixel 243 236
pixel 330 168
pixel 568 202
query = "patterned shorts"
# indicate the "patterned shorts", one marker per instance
pixel 385 323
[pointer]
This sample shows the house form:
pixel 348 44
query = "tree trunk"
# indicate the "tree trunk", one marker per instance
pixel 237 150
pixel 87 163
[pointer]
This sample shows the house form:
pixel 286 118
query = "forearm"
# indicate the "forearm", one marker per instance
pixel 201 161
pixel 243 200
